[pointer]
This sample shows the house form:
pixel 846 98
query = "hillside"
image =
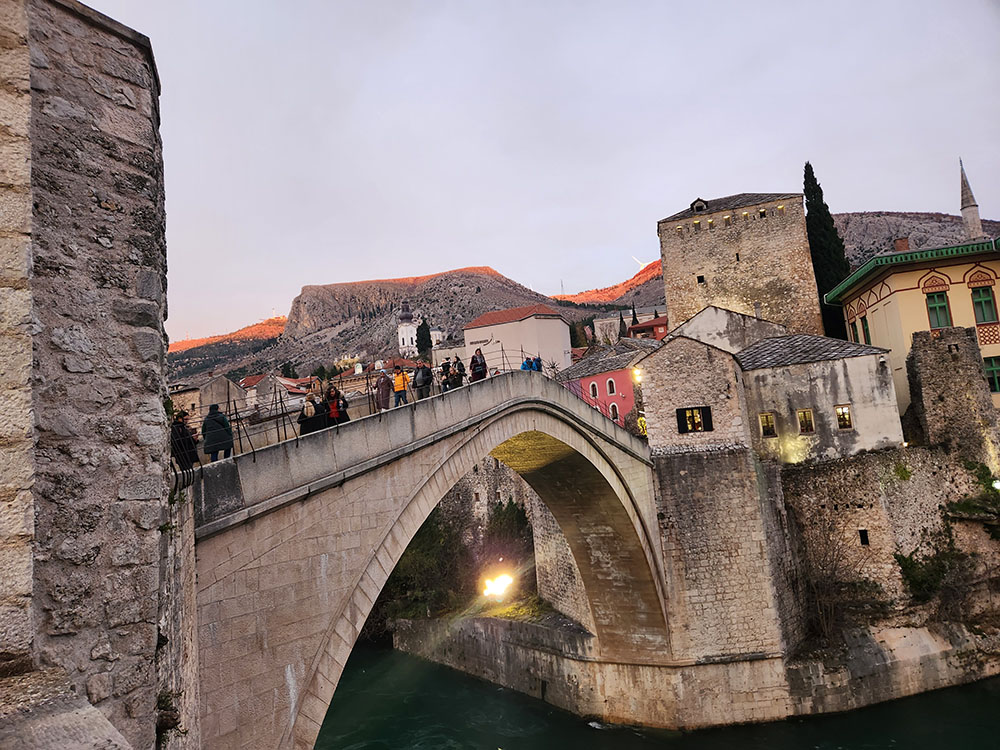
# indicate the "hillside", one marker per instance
pixel 331 321
pixel 258 332
pixel 624 292
pixel 871 232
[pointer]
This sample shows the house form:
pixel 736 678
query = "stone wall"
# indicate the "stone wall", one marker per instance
pixel 950 399
pixel 755 265
pixel 83 275
pixel 17 468
pixel 895 496
pixel 722 597
pixel 684 373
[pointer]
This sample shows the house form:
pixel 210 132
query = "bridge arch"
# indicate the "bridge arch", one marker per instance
pixel 598 488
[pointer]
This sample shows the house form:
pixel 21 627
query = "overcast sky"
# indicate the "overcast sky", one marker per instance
pixel 319 142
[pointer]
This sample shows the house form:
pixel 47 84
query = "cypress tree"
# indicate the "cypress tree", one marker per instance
pixel 827 249
pixel 635 318
pixel 424 343
pixel 622 328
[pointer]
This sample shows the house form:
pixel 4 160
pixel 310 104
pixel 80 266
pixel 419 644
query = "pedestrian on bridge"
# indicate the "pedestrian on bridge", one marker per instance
pixel 217 433
pixel 422 380
pixel 337 405
pixel 400 382
pixel 383 388
pixel 183 444
pixel 456 376
pixel 313 417
pixel 477 367
pixel 445 372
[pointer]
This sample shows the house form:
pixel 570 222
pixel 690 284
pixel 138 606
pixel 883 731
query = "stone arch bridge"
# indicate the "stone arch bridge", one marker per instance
pixel 295 542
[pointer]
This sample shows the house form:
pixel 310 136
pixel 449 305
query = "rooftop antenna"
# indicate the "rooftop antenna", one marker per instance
pixel 562 287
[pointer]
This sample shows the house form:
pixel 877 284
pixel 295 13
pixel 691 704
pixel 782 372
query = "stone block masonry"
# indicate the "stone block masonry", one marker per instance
pixel 754 260
pixel 83 432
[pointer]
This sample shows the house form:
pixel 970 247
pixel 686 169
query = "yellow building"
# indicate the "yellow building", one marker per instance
pixel 895 294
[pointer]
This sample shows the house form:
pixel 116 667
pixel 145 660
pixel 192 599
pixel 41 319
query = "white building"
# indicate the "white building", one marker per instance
pixel 508 336
pixel 406 332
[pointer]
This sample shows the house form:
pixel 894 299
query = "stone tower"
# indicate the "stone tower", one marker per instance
pixel 406 332
pixel 970 209
pixel 748 253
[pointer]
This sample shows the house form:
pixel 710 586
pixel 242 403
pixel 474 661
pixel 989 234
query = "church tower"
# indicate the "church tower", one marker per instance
pixel 407 332
pixel 970 209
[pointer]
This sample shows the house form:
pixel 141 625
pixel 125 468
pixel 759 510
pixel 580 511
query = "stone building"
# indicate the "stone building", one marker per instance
pixel 607 327
pixel 791 398
pixel 748 253
pixel 603 377
pixel 406 332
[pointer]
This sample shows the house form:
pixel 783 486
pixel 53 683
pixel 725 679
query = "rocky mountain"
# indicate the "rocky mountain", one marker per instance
pixel 329 322
pixel 871 232
pixel 643 289
pixel 266 330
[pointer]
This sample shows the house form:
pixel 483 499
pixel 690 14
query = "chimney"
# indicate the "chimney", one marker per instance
pixel 901 245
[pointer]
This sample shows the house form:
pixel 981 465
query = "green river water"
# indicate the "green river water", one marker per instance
pixel 393 701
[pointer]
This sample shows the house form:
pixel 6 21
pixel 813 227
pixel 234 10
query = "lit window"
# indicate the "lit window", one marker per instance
pixel 763 213
pixel 680 230
pixel 984 305
pixel 746 216
pixel 781 210
pixel 593 390
pixel 728 220
pixel 697 226
pixel 937 310
pixel 854 331
pixel 767 425
pixel 864 329
pixel 992 365
pixel 694 419
pixel 844 417
pixel 711 223
pixel 863 537
pixel 614 412
pixel 805 421
pixel 611 387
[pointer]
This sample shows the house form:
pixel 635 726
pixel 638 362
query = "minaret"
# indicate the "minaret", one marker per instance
pixel 970 209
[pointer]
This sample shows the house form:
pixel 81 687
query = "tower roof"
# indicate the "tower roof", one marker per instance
pixel 968 199
pixel 405 316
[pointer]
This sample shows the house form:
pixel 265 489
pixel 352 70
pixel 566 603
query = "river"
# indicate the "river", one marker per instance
pixel 388 700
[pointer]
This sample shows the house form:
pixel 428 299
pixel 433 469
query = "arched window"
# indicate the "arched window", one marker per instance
pixel 614 412
pixel 611 387
pixel 593 390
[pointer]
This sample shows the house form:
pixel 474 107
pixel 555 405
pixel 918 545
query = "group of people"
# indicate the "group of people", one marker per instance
pixel 451 375
pixel 216 431
pixel 532 363
pixel 320 412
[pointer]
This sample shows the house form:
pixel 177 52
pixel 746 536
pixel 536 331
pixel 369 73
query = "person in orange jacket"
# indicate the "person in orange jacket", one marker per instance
pixel 400 382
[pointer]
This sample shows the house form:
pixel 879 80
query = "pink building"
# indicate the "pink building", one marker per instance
pixel 603 377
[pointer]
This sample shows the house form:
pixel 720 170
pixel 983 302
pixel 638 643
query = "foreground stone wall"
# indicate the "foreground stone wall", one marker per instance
pixel 17 470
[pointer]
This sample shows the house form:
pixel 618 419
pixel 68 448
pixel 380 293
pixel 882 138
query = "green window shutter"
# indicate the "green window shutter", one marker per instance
pixel 984 305
pixel 865 331
pixel 992 365
pixel 937 310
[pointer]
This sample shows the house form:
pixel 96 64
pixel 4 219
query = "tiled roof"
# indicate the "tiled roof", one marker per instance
pixel 799 348
pixel 609 358
pixel 660 321
pixel 251 380
pixel 730 203
pixel 512 315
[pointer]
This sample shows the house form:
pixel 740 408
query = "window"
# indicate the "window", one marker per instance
pixel 614 412
pixel 593 390
pixel 984 305
pixel 728 220
pixel 763 213
pixel 767 425
pixel 746 216
pixel 711 223
pixel 844 417
pixel 701 279
pixel 737 257
pixel 937 310
pixel 680 230
pixel 854 331
pixel 992 365
pixel 863 536
pixel 694 419
pixel 475 497
pixel 611 387
pixel 697 226
pixel 864 329
pixel 498 496
pixel 805 421
pixel 781 210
